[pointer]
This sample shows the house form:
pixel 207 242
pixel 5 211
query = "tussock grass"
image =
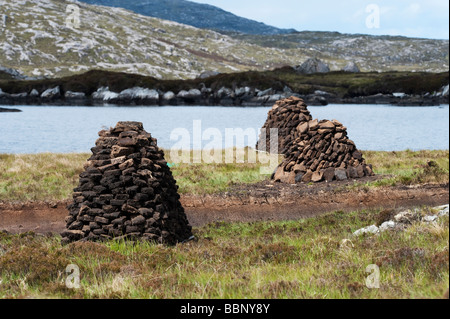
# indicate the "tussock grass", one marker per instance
pixel 301 259
pixel 39 177
pixel 409 167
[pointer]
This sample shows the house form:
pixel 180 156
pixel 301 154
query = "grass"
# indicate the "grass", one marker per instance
pixel 409 168
pixel 49 177
pixel 301 259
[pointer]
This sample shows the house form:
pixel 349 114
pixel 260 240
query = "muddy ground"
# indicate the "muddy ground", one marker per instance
pixel 265 201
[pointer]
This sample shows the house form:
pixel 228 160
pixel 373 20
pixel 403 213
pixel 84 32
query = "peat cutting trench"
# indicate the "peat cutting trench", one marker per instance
pixel 265 201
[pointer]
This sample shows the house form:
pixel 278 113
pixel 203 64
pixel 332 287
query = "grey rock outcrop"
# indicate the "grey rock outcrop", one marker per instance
pixel 207 74
pixel 351 67
pixel 51 93
pixel 311 66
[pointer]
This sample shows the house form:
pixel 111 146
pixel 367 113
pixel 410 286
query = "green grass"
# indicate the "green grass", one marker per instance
pixel 49 177
pixel 409 168
pixel 301 259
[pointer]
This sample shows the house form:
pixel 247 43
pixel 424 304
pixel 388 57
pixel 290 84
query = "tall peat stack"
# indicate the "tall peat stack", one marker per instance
pixel 285 116
pixel 314 150
pixel 126 191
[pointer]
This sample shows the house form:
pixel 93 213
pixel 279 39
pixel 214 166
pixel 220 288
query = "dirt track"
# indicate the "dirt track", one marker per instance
pixel 261 202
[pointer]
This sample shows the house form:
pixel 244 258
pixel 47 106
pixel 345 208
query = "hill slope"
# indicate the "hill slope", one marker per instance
pixel 195 14
pixel 35 40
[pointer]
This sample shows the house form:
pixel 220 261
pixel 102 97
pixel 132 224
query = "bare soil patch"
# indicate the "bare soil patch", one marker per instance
pixel 265 201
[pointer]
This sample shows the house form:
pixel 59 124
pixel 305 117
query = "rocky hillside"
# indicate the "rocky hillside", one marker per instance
pixel 370 53
pixel 195 14
pixel 36 40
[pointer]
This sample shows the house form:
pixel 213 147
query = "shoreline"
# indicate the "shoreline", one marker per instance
pixel 212 102
pixel 247 89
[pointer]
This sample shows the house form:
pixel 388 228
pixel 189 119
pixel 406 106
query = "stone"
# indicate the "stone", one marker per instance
pixel 312 65
pixel 387 226
pixel 307 177
pixel 430 218
pixel 341 174
pixel 317 177
pixel 367 230
pixel 74 95
pixel 51 93
pixel 351 67
pixel 329 174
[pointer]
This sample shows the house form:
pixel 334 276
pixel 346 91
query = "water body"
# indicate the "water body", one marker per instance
pixel 74 129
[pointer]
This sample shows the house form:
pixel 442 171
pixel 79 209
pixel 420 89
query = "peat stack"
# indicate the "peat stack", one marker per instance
pixel 314 150
pixel 285 116
pixel 126 191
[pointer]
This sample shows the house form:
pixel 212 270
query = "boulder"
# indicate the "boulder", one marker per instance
pixel 191 95
pixel 207 74
pixel 74 95
pixel 34 93
pixel 351 67
pixel 139 93
pixel 169 96
pixel 311 66
pixel 51 93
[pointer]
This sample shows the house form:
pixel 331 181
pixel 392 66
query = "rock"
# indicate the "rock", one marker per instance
pixel 265 93
pixel 104 94
pixel 367 230
pixel 139 93
pixel 351 67
pixel 317 177
pixel 34 93
pixel 4 110
pixel 312 65
pixel 275 97
pixel 329 174
pixel 224 92
pixel 387 226
pixel 443 210
pixel 169 96
pixel 407 217
pixel 192 94
pixel 445 90
pixel 341 174
pixel 307 177
pixel 51 93
pixel 22 95
pixel 430 218
pixel 399 95
pixel 74 95
pixel 207 74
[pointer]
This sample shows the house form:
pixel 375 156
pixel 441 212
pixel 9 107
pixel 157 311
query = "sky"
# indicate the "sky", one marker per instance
pixel 416 18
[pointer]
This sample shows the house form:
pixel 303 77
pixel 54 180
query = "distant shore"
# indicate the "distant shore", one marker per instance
pixel 312 100
pixel 244 89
